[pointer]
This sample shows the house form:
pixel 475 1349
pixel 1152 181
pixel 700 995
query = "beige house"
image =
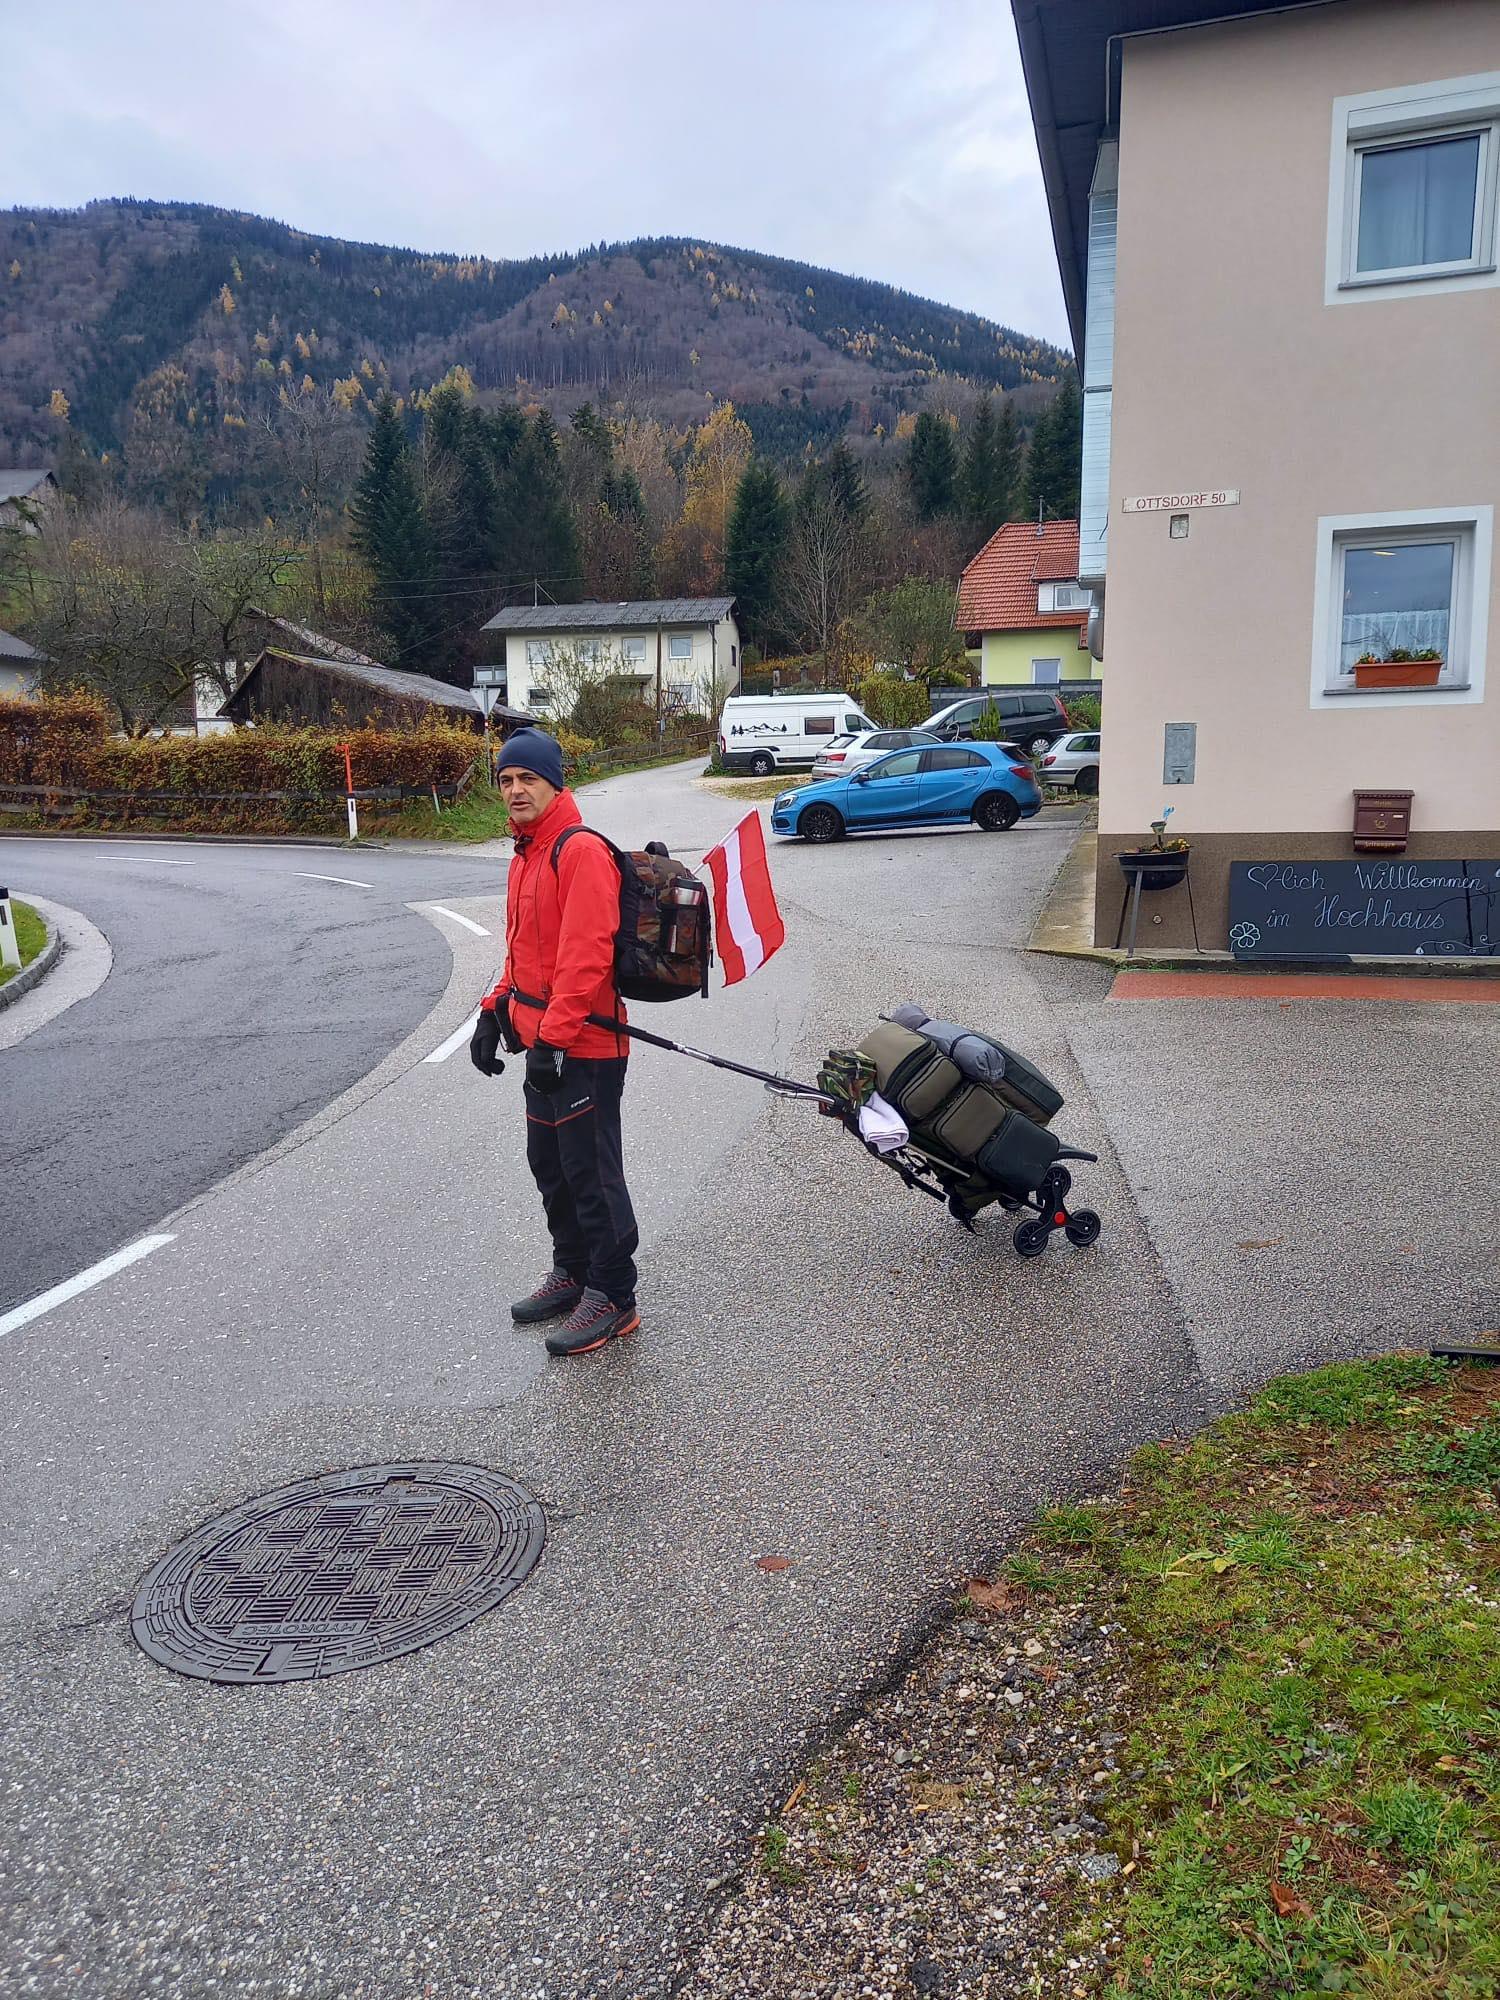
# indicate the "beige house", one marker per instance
pixel 683 652
pixel 1276 227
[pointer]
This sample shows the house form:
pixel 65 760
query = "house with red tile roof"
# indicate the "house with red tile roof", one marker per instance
pixel 1021 605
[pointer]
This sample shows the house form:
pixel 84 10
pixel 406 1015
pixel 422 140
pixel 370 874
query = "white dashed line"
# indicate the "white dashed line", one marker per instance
pixel 348 881
pixel 455 1041
pixel 44 1302
pixel 467 922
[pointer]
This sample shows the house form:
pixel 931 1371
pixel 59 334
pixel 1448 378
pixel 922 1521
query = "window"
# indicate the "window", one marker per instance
pixel 589 651
pixel 951 758
pixel 541 697
pixel 854 723
pixel 1402 583
pixel 680 691
pixel 818 725
pixel 635 650
pixel 903 765
pixel 1046 673
pixel 538 653
pixel 886 739
pixel 680 646
pixel 1063 597
pixel 1412 188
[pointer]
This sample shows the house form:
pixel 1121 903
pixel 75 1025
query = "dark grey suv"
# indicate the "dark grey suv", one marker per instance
pixel 1034 718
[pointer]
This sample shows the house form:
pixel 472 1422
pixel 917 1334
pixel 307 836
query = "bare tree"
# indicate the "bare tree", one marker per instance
pixel 317 441
pixel 820 574
pixel 230 577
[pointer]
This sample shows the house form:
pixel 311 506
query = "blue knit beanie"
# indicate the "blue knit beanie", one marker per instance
pixel 533 750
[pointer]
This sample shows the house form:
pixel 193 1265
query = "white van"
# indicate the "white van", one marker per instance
pixel 766 733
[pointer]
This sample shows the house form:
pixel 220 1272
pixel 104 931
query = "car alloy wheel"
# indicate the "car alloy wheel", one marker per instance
pixel 996 812
pixel 820 823
pixel 1038 744
pixel 762 766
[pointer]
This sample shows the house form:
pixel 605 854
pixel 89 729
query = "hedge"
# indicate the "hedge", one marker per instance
pixel 209 783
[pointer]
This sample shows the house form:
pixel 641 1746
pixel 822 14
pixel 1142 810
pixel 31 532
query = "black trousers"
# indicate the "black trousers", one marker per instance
pixel 576 1156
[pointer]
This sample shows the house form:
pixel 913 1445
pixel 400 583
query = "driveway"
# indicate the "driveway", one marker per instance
pixel 829 1371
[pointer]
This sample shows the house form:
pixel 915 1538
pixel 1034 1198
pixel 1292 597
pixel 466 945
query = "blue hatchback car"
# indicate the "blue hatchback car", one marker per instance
pixel 945 785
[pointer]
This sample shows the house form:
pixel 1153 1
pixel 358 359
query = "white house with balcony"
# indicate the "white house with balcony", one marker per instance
pixel 682 652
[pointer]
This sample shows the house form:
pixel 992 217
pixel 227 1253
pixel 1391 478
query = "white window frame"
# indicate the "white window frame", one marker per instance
pixel 1462 681
pixel 1069 597
pixel 633 649
pixel 677 641
pixel 539 654
pixel 1376 119
pixel 1046 660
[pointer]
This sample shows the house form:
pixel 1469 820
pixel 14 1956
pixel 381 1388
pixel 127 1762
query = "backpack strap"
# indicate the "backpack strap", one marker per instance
pixel 567 834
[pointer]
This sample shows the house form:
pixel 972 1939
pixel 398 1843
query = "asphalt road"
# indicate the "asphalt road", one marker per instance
pixel 245 993
pixel 828 1370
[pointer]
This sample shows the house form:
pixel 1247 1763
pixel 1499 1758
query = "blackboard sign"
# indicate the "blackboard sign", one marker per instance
pixel 1376 909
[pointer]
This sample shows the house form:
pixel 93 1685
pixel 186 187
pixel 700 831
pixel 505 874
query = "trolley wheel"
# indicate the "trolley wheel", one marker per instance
pixel 1031 1237
pixel 1057 1183
pixel 1082 1227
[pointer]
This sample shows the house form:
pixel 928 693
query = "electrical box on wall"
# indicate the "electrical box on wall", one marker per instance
pixel 1180 757
pixel 1382 822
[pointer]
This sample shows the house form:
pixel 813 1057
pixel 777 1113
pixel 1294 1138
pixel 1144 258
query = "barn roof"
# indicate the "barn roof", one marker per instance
pixel 392 681
pixel 12 648
pixel 18 482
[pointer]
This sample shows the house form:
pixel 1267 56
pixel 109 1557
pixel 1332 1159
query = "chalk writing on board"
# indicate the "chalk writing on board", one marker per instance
pixel 1339 909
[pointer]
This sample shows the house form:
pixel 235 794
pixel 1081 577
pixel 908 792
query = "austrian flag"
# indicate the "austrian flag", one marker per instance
pixel 746 920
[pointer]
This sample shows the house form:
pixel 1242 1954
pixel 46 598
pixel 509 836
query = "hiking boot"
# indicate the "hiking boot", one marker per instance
pixel 556 1294
pixel 593 1321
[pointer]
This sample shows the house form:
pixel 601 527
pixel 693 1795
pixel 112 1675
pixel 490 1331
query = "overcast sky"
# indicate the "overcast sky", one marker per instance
pixel 884 137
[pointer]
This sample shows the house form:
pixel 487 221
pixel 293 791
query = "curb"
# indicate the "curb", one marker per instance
pixel 194 839
pixel 31 975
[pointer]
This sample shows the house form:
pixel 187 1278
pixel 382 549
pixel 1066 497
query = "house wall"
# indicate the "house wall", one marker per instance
pixel 1005 657
pixel 15 680
pixel 716 649
pixel 1231 370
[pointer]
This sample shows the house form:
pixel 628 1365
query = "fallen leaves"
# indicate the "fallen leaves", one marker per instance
pixel 995 1597
pixel 773 1562
pixel 1260 1243
pixel 1287 1903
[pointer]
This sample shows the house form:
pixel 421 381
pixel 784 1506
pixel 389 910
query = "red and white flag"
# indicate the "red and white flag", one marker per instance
pixel 746 920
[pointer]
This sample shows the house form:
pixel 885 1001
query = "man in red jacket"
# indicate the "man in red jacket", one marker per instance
pixel 562 913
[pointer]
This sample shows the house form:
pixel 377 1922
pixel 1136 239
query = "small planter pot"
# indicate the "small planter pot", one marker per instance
pixel 1154 869
pixel 1397 673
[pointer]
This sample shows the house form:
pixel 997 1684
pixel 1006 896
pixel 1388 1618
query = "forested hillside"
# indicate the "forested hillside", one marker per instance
pixel 157 346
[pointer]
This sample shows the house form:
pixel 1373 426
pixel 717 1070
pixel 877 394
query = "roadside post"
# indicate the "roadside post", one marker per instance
pixel 487 689
pixel 349 793
pixel 10 949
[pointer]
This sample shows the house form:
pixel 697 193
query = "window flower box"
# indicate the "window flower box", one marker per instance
pixel 1416 671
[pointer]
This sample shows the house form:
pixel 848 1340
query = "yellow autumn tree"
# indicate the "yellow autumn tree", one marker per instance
pixel 693 548
pixel 13 269
pixel 226 301
pixel 58 406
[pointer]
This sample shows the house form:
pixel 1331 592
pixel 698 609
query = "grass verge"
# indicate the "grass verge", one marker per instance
pixel 31 936
pixel 1312 1591
pixel 755 789
pixel 1231 1731
pixel 478 815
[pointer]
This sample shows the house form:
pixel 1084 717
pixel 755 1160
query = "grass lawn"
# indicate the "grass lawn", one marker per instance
pixel 479 815
pixel 31 935
pixel 756 789
pixel 1312 1590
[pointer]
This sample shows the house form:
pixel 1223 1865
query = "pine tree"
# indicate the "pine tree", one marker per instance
pixel 1007 486
pixel 411 609
pixel 1052 465
pixel 932 467
pixel 844 483
pixel 988 475
pixel 386 446
pixel 756 542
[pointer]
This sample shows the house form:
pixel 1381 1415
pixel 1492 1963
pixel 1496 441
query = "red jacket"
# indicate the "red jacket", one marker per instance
pixel 560 936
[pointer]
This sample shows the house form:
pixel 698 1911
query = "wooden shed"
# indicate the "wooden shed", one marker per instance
pixel 296 688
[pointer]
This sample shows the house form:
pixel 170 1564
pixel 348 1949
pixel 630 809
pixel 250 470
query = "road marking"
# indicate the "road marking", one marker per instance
pixel 467 922
pixel 348 881
pixel 44 1302
pixel 455 1041
pixel 152 860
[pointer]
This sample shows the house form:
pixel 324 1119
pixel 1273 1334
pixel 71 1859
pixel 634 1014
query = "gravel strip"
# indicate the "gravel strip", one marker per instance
pixel 955 1840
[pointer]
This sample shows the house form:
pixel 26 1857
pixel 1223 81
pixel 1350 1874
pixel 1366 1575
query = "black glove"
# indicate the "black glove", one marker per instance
pixel 510 1041
pixel 544 1066
pixel 484 1044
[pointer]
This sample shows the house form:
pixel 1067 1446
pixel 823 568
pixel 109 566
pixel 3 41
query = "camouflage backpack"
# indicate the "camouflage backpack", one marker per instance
pixel 662 942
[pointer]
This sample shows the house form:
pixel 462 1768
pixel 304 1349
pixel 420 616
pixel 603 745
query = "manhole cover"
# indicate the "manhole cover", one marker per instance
pixel 338 1572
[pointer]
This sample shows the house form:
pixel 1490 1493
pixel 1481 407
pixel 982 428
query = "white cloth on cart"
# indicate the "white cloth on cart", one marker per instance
pixel 882 1125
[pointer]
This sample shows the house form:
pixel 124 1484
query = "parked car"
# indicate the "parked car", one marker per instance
pixel 1034 716
pixel 943 785
pixel 765 733
pixel 1072 760
pixel 851 753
